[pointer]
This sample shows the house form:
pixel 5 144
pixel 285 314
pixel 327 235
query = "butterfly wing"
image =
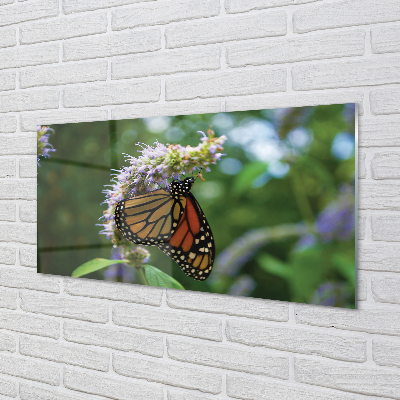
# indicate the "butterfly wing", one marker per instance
pixel 192 244
pixel 151 218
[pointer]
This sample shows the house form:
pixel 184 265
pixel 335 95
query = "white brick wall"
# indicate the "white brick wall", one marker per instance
pixel 70 61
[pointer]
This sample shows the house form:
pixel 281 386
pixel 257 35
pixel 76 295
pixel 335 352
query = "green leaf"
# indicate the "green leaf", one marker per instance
pixel 249 173
pixel 94 265
pixel 346 267
pixel 155 277
pixel 274 266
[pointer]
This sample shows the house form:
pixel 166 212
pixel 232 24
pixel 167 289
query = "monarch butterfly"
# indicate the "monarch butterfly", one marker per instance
pixel 174 222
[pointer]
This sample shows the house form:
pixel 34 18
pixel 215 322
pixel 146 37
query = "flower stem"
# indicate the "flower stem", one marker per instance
pixel 141 275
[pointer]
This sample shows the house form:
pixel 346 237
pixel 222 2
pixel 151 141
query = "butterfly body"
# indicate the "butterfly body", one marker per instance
pixel 173 221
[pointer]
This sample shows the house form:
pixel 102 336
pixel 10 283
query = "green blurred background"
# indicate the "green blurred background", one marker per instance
pixel 280 203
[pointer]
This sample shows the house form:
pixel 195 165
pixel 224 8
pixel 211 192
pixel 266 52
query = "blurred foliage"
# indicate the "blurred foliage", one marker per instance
pixel 283 167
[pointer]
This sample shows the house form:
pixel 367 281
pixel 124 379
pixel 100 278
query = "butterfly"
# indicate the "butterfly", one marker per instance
pixel 174 222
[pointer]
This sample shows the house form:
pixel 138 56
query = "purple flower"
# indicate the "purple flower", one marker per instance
pixel 332 294
pixel 43 145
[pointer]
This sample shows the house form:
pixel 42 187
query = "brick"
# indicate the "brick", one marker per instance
pixel 385 289
pixel 345 13
pixel 29 100
pixel 237 6
pixel 167 372
pixel 379 131
pixel 113 291
pixel 225 29
pixel 351 378
pixel 8 299
pixel 215 303
pixel 228 357
pixel 7 254
pixel 385 101
pixel 72 6
pixel 186 395
pixel 34 370
pixel 8 37
pixel 379 196
pixel 31 324
pixel 166 109
pixel 7 213
pixel 7 168
pixel 226 84
pixel 385 39
pixel 169 62
pixel 379 257
pixel 315 47
pixel 163 13
pixel 148 343
pixel 112 387
pixel 27 11
pixel 362 221
pixel 28 168
pixel 8 123
pixel 62 74
pixel 28 211
pixel 50 304
pixel 362 287
pixel 298 100
pixel 4 2
pixel 378 320
pixel 114 93
pixel 7 342
pixel 73 354
pixel 112 44
pixel 28 256
pixel 386 165
pixel 346 73
pixel 298 340
pixel 386 352
pixel 161 320
pixel 23 56
pixel 19 233
pixel 19 144
pixel 8 388
pixel 386 227
pixel 29 121
pixel 7 80
pixel 362 170
pixel 63 28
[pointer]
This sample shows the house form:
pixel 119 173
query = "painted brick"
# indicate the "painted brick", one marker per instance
pixel 26 100
pixel 362 286
pixel 386 227
pixel 18 144
pixel 27 11
pixel 114 44
pixel 166 109
pixel 169 62
pixel 162 320
pixel 385 39
pixel 298 340
pixel 72 354
pixel 188 395
pixel 379 257
pixel 7 342
pixel 379 196
pixel 345 13
pixel 386 352
pixel 362 170
pixel 114 338
pixel 8 37
pixel 379 131
pixel 7 168
pixel 346 73
pixel 23 56
pixel 63 28
pixel 27 368
pixel 298 100
pixel 228 357
pixel 386 289
pixel 63 74
pixel 371 321
pixel 7 80
pixel 28 210
pixel 236 6
pixel 7 213
pixel 8 123
pixel 386 165
pixel 385 101
pixel 214 303
pixel 8 299
pixel 8 388
pixel 225 29
pixel 29 121
pixel 19 233
pixel 311 47
pixel 67 307
pixel 342 376
pixel 167 372
pixel 162 13
pixel 72 6
pixel 28 256
pixel 7 254
pixel 18 189
pixel 28 169
pixel 4 2
pixel 226 84
pixel 114 93
pixel 112 387
pixel 113 291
